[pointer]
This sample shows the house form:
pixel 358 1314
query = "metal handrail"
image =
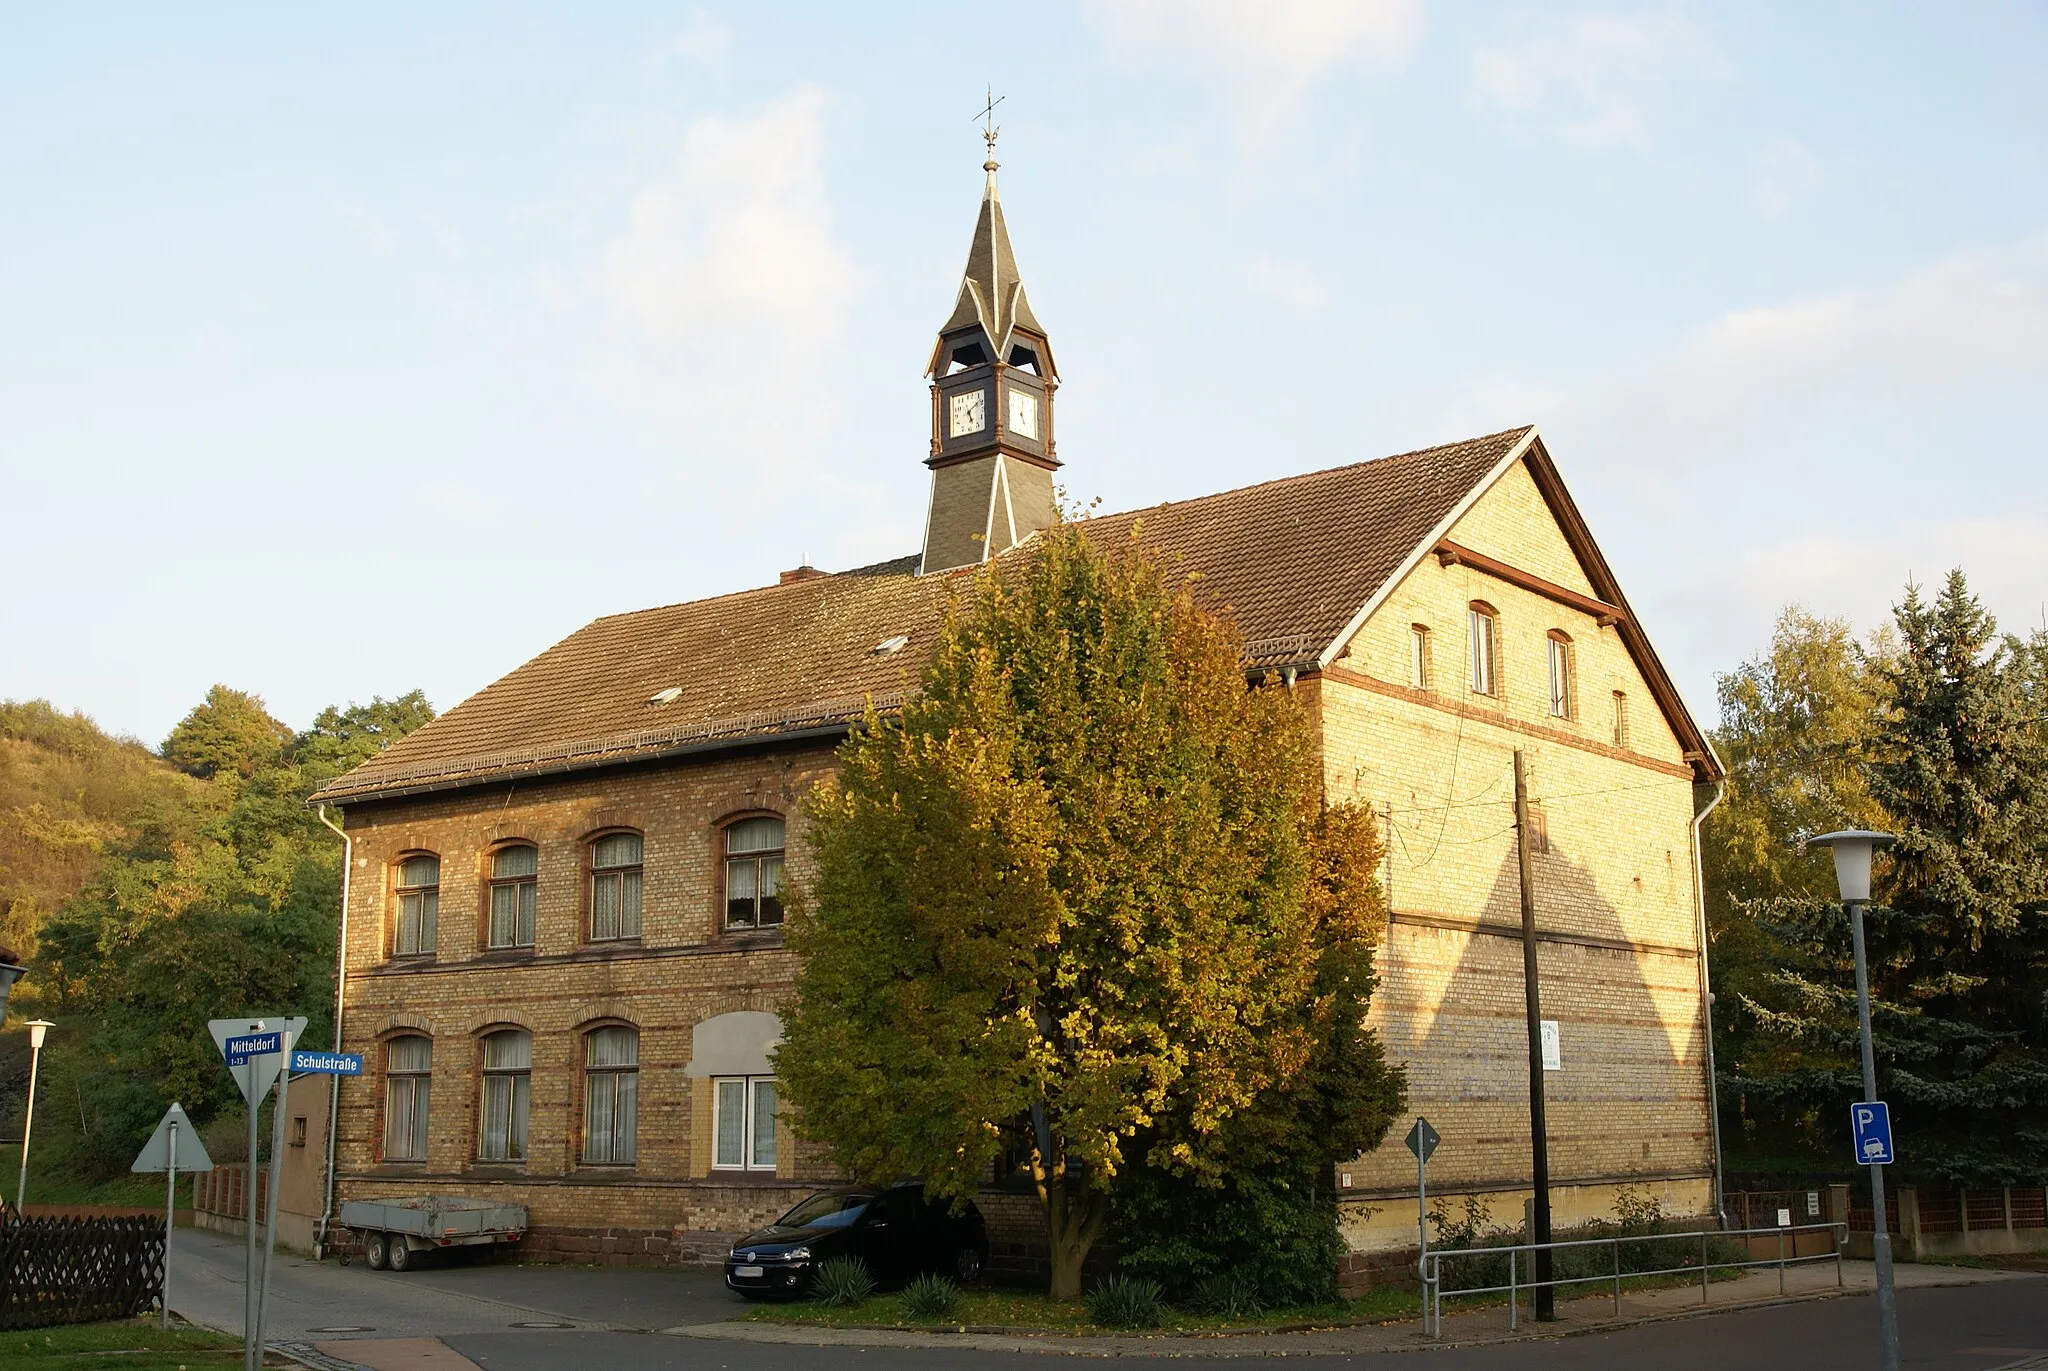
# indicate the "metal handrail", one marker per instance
pixel 1432 1278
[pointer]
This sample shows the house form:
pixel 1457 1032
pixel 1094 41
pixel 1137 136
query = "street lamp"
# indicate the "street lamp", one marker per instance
pixel 1852 848
pixel 37 1028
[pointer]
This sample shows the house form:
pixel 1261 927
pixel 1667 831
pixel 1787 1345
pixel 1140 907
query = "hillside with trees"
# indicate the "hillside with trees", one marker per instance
pixel 152 891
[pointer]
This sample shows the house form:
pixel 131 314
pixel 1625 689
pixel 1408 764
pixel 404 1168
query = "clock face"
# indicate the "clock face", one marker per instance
pixel 1024 413
pixel 970 413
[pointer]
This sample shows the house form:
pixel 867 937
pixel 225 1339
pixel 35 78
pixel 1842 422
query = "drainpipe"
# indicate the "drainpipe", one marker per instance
pixel 1699 892
pixel 348 848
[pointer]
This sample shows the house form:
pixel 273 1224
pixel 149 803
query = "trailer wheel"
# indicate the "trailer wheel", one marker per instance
pixel 399 1254
pixel 375 1251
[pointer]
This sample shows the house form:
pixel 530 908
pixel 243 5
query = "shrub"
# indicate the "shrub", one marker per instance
pixel 1229 1294
pixel 842 1282
pixel 1125 1302
pixel 930 1298
pixel 1278 1234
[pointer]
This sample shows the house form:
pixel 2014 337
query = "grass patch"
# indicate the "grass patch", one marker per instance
pixel 131 1344
pixel 999 1308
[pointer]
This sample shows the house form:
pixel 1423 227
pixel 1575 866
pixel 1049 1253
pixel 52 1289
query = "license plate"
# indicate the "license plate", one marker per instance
pixel 748 1272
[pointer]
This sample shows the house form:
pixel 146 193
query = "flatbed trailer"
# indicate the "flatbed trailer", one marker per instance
pixel 393 1231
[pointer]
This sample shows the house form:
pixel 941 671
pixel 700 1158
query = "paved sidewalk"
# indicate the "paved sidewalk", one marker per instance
pixel 1469 1328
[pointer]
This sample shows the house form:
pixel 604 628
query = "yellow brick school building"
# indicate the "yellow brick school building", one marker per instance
pixel 563 956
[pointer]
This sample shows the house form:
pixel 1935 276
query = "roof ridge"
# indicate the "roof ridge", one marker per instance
pixel 1311 475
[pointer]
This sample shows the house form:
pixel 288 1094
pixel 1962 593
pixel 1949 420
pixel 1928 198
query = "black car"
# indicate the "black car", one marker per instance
pixel 894 1229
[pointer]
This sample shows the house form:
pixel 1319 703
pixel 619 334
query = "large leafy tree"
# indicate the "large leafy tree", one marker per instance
pixel 1070 907
pixel 1957 763
pixel 229 732
pixel 1794 732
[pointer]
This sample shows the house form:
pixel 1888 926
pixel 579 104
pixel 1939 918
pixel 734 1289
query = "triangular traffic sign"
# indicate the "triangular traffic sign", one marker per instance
pixel 156 1153
pixel 266 1064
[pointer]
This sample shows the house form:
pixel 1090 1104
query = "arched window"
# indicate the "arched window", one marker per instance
pixel 743 1123
pixel 408 1074
pixel 515 891
pixel 508 1091
pixel 1563 670
pixel 615 887
pixel 611 1095
pixel 753 873
pixel 1481 632
pixel 1418 656
pixel 419 905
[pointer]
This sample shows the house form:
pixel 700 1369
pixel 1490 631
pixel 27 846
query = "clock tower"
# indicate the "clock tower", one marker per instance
pixel 992 378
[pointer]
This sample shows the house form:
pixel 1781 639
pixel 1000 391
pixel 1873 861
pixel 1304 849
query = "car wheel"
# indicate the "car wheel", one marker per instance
pixel 967 1265
pixel 374 1251
pixel 400 1255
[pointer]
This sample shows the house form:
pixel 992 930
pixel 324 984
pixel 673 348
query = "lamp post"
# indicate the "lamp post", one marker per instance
pixel 37 1028
pixel 1852 848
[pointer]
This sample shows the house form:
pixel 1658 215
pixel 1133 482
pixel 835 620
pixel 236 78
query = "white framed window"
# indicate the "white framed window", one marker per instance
pixel 1563 689
pixel 611 1095
pixel 743 1123
pixel 515 894
pixel 1620 733
pixel 419 905
pixel 508 1096
pixel 408 1077
pixel 753 873
pixel 1481 632
pixel 1418 656
pixel 615 880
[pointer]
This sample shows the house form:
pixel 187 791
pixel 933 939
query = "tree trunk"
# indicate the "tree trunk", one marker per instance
pixel 1073 1216
pixel 1071 1223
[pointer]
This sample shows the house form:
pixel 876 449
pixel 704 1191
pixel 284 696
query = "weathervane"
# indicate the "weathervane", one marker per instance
pixel 989 131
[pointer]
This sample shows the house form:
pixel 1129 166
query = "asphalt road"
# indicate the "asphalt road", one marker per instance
pixel 490 1313
pixel 308 1298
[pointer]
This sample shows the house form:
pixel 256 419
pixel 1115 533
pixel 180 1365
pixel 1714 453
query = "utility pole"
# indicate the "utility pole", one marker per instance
pixel 1539 1137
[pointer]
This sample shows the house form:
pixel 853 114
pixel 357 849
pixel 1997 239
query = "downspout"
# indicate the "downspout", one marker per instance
pixel 1699 893
pixel 348 848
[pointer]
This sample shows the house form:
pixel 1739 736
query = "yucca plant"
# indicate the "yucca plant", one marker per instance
pixel 842 1282
pixel 1229 1294
pixel 931 1298
pixel 1122 1302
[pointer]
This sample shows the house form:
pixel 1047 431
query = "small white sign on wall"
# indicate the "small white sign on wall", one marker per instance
pixel 1553 1046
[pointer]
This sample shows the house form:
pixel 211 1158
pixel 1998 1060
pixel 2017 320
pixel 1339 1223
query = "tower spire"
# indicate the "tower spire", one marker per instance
pixel 992 391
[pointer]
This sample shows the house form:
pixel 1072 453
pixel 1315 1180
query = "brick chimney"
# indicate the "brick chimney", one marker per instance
pixel 806 572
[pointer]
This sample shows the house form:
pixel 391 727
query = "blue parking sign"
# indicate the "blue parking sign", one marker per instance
pixel 1870 1124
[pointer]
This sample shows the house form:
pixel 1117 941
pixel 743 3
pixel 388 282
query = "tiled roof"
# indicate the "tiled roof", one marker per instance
pixel 1291 561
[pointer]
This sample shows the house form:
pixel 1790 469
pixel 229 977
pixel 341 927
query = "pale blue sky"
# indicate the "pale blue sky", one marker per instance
pixel 345 354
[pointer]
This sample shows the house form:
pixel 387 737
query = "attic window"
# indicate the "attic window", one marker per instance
pixel 667 695
pixel 890 645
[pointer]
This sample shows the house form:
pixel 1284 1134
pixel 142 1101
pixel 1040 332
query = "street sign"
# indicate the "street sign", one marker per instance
pixel 1870 1123
pixel 1422 1139
pixel 327 1063
pixel 239 1050
pixel 254 1073
pixel 156 1153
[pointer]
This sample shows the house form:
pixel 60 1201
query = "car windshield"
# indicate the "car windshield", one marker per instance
pixel 825 1211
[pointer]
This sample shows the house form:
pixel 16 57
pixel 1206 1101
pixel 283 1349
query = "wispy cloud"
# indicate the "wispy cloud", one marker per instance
pixel 1780 176
pixel 726 268
pixel 1791 435
pixel 1265 58
pixel 703 34
pixel 1596 79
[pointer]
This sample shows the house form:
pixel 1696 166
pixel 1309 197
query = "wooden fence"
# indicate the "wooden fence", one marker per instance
pixel 78 1270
